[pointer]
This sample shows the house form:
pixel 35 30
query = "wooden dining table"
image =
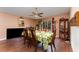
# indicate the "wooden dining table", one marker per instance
pixel 44 37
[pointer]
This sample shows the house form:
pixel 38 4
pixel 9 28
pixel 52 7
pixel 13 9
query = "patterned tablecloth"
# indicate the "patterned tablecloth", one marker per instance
pixel 44 37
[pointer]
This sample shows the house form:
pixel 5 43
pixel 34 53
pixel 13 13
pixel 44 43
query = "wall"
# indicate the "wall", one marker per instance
pixel 30 22
pixel 75 38
pixel 11 21
pixel 65 15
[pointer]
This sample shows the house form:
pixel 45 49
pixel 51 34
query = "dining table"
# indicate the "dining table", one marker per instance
pixel 44 37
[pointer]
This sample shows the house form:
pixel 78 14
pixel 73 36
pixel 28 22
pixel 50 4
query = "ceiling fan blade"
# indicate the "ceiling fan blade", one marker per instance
pixel 31 15
pixel 41 13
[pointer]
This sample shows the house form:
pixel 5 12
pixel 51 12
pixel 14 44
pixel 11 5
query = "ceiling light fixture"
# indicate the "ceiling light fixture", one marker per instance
pixel 36 14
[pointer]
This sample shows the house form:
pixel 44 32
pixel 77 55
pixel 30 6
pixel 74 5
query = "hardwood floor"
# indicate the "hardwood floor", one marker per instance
pixel 16 45
pixel 62 46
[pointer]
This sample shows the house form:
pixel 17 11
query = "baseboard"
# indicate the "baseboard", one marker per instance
pixel 1 39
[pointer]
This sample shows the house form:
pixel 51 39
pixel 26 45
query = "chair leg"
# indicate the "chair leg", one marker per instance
pixel 54 46
pixel 30 44
pixel 24 41
pixel 35 48
pixel 42 47
pixel 51 48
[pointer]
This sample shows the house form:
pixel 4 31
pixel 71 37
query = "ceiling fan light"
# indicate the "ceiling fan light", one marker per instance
pixel 36 16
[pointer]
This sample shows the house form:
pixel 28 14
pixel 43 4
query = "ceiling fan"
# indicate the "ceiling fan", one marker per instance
pixel 36 13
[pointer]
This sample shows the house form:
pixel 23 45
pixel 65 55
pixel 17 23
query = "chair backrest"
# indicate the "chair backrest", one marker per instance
pixel 26 33
pixel 53 37
pixel 34 41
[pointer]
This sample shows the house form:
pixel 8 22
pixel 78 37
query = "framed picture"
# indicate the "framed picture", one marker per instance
pixel 21 23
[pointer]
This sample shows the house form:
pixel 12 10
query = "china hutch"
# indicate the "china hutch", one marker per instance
pixel 64 29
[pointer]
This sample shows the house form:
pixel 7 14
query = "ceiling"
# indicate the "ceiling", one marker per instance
pixel 27 11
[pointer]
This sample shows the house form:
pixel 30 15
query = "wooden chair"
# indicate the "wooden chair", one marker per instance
pixel 53 42
pixel 33 39
pixel 26 38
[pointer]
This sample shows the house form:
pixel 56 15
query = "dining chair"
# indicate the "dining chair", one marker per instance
pixel 24 35
pixel 34 40
pixel 53 42
pixel 26 38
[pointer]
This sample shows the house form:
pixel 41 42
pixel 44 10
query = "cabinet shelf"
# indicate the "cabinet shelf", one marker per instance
pixel 63 32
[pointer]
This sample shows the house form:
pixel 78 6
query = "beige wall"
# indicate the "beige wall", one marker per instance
pixel 30 22
pixel 73 11
pixel 11 21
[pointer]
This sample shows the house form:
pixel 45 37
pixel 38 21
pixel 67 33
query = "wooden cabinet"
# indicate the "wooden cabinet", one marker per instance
pixel 77 17
pixel 64 29
pixel 75 20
